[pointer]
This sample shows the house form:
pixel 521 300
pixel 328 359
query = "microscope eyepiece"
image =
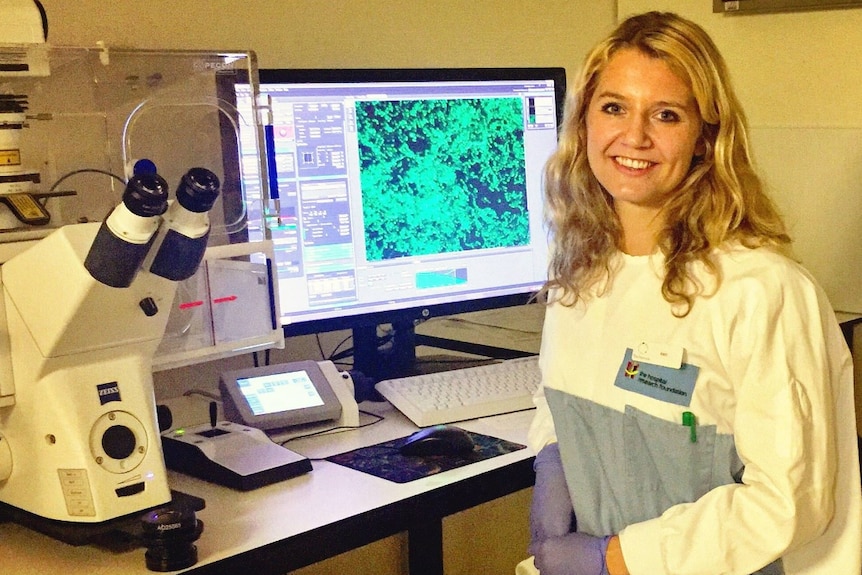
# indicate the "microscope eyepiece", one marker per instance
pixel 198 190
pixel 180 244
pixel 124 238
pixel 146 195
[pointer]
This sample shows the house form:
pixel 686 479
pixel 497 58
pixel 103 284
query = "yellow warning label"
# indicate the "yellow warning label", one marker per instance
pixel 10 157
pixel 27 206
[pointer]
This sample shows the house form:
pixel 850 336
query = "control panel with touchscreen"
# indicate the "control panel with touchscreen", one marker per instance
pixel 278 396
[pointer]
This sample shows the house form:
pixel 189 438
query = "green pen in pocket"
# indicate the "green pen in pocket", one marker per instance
pixel 690 421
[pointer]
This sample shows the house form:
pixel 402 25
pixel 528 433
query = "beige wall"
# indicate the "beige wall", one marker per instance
pixel 799 76
pixel 346 33
pixel 798 69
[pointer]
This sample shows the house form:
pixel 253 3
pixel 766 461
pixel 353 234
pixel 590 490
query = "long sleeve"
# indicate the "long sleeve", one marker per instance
pixel 541 431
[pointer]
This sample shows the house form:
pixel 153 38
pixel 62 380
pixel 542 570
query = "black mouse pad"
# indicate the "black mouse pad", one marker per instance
pixel 383 460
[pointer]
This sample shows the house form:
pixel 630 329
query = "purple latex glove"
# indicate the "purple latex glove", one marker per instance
pixel 551 513
pixel 572 554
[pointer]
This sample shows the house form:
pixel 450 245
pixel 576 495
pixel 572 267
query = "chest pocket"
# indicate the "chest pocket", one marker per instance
pixel 663 467
pixel 624 468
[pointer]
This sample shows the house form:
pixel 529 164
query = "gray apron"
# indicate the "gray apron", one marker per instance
pixel 657 467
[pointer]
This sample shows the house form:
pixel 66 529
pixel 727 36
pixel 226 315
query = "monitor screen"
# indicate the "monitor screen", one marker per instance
pixel 396 195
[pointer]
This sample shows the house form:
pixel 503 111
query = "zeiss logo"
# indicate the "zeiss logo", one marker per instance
pixel 108 392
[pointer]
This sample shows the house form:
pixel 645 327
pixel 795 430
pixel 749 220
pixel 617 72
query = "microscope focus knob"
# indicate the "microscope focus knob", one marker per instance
pixel 119 442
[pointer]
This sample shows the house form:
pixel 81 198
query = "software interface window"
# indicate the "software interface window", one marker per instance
pixel 394 193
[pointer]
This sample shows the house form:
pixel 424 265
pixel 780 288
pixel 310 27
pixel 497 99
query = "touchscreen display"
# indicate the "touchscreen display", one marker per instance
pixel 278 392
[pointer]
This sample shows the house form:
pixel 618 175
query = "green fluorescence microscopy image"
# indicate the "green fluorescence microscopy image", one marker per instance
pixel 442 176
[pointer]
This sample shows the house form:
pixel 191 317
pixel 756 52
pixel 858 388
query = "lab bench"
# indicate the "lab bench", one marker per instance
pixel 332 509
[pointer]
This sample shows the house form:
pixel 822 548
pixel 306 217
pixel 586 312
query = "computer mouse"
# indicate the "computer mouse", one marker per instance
pixel 438 440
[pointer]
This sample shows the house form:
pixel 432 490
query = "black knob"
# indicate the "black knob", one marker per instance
pixel 165 417
pixel 169 535
pixel 149 306
pixel 119 442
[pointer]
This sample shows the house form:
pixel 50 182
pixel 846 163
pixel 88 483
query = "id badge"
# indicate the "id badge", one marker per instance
pixel 668 384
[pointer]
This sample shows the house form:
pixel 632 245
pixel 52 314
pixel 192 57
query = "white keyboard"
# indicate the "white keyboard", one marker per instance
pixel 463 394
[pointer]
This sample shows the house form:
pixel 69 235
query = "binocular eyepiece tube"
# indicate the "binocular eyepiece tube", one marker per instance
pixel 143 223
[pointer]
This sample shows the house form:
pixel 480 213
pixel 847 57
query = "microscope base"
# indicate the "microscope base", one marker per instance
pixel 125 531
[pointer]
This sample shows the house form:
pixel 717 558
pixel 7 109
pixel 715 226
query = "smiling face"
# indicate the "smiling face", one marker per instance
pixel 643 129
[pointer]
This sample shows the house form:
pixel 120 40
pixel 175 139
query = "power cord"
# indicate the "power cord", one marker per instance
pixel 85 171
pixel 202 392
pixel 338 429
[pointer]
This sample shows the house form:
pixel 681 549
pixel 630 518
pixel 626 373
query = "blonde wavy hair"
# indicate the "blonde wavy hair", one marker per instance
pixel 720 199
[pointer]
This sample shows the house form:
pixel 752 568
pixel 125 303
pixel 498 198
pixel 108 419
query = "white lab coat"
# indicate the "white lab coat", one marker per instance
pixel 775 378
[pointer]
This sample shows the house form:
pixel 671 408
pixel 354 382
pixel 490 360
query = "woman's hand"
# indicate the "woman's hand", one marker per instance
pixel 572 554
pixel 551 513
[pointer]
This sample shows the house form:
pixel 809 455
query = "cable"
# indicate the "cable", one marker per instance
pixel 43 197
pixel 202 392
pixel 320 347
pixel 84 171
pixel 335 355
pixel 338 429
pixel 344 354
pixel 486 324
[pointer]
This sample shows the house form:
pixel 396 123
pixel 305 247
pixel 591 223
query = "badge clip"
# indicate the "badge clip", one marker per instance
pixel 658 354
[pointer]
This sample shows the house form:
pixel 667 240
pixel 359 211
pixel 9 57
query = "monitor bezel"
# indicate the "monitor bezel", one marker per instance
pixel 413 313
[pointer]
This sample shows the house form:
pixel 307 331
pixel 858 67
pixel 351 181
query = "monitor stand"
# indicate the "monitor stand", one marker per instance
pixel 398 358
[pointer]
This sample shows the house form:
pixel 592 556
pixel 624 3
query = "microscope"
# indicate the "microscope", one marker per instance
pixel 125 270
pixel 82 313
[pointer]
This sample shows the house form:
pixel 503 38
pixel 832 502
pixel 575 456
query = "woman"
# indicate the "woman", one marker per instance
pixel 696 414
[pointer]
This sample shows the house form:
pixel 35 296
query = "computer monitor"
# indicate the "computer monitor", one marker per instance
pixel 397 195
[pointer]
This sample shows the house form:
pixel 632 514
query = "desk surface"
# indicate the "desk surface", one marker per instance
pixel 517 328
pixel 252 528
